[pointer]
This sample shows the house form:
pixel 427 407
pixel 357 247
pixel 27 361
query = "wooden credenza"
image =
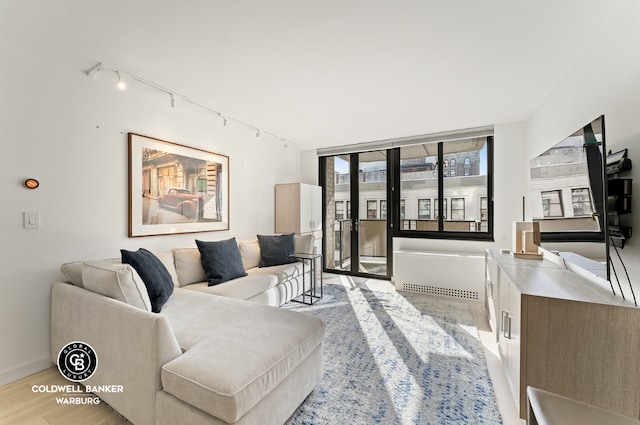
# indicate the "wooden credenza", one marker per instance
pixel 563 333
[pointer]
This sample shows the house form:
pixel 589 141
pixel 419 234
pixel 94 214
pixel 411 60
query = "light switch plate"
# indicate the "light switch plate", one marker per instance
pixel 31 219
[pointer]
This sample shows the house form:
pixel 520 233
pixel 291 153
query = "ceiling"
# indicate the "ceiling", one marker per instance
pixel 331 72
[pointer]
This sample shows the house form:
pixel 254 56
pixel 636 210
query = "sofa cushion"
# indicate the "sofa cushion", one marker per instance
pixel 250 251
pixel 238 338
pixel 241 288
pixel 118 281
pixel 154 275
pixel 282 272
pixel 276 249
pixel 188 266
pixel 221 260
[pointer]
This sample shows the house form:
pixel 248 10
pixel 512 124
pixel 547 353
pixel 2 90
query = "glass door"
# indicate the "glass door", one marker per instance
pixel 357 233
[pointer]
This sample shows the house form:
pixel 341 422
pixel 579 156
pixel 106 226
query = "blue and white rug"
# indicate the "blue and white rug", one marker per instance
pixel 401 359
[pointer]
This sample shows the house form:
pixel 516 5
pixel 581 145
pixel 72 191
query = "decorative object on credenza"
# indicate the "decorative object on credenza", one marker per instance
pixel 175 188
pixel 31 183
pixel 526 240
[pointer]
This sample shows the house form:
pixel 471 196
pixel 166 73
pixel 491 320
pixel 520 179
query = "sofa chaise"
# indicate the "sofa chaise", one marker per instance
pixel 220 354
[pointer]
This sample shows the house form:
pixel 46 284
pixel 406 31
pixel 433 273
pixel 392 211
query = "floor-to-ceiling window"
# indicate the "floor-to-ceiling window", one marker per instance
pixel 418 189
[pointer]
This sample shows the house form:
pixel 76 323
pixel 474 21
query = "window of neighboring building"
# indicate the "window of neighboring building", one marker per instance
pixel 424 209
pixel 467 166
pixel 340 213
pixel 581 201
pixel 372 209
pixel 457 209
pixel 483 208
pixel 383 209
pixel 402 203
pixel 552 203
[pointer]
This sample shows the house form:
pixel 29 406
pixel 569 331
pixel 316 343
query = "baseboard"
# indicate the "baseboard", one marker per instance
pixel 24 370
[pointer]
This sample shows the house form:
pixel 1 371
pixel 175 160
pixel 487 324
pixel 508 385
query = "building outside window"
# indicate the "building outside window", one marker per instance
pixel 421 186
pixel 552 203
pixel 581 201
pixel 383 209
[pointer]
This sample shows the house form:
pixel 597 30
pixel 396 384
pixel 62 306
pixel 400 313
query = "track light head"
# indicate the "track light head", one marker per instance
pixel 173 101
pixel 257 134
pixel 94 69
pixel 120 84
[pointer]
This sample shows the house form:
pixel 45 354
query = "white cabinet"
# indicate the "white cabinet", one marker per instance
pixel 563 333
pixel 298 208
pixel 509 332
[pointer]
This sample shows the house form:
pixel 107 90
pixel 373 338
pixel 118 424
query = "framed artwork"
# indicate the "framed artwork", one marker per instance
pixel 175 188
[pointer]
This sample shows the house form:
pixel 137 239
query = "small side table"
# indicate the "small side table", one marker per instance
pixel 314 293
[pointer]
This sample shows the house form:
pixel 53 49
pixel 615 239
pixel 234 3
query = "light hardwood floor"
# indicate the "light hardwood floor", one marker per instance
pixel 20 405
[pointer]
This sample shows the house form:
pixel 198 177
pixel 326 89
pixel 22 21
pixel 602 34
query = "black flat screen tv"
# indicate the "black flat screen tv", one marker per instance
pixel 568 189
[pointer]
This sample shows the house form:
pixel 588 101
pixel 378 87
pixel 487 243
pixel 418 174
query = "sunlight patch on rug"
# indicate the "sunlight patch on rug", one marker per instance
pixel 401 359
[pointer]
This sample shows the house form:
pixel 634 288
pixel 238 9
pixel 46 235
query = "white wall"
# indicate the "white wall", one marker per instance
pixel 70 132
pixel 309 167
pixel 605 80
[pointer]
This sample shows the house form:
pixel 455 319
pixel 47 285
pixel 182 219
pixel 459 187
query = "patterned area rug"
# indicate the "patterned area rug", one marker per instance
pixel 394 358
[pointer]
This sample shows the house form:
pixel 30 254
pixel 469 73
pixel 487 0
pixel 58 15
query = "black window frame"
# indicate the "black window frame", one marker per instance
pixel 394 202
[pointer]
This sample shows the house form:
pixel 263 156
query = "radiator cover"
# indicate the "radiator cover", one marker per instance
pixel 450 274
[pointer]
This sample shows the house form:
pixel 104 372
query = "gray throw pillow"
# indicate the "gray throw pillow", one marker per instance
pixel 276 249
pixel 221 260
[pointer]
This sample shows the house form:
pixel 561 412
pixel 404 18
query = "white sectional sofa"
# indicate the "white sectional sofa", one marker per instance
pixel 214 354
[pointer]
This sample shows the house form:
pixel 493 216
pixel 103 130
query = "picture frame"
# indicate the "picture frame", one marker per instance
pixel 175 189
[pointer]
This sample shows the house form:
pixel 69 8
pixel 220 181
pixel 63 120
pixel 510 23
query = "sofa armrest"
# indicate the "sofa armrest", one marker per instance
pixel 132 345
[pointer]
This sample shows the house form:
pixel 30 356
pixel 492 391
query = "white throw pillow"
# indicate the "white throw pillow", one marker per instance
pixel 303 244
pixel 250 252
pixel 117 281
pixel 189 266
pixel 166 258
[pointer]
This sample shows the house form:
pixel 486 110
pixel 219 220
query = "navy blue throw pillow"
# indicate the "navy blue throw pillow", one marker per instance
pixel 221 260
pixel 276 249
pixel 153 273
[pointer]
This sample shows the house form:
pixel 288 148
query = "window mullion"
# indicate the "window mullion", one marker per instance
pixel 441 199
